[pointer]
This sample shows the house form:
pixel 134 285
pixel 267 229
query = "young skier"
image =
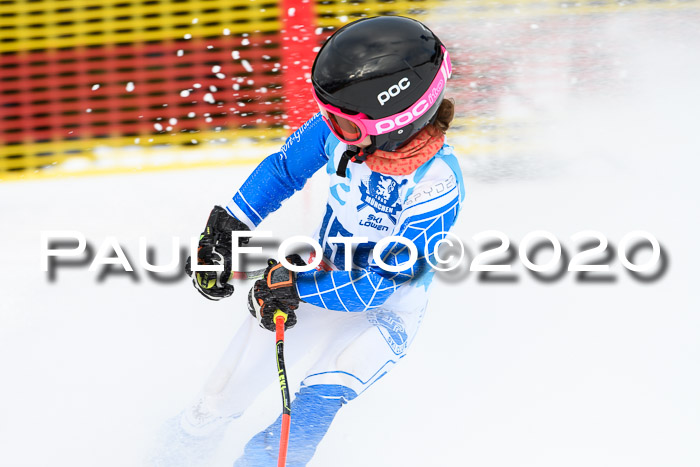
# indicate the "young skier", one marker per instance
pixel 379 84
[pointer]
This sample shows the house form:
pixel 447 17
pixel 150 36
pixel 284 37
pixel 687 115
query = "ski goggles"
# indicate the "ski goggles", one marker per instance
pixel 352 129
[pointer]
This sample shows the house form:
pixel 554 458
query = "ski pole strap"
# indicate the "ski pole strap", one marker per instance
pixel 280 317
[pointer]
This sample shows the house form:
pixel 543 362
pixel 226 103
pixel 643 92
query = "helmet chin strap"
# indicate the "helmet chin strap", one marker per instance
pixel 349 153
pixel 356 154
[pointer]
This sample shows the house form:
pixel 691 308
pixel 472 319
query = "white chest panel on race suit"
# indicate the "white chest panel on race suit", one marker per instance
pixel 370 204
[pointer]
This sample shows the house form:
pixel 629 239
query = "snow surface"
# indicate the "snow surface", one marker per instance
pixel 509 374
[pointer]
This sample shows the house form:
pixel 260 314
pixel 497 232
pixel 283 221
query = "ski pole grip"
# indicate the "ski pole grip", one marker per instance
pixel 280 317
pixel 279 314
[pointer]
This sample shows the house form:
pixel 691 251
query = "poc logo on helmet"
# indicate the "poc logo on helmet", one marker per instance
pixel 393 91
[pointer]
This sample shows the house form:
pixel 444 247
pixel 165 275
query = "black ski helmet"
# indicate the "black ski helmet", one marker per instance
pixel 365 60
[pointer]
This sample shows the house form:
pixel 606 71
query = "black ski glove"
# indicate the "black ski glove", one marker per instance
pixel 276 291
pixel 215 248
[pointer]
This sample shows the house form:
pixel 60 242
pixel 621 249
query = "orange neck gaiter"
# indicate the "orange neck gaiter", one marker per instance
pixel 409 157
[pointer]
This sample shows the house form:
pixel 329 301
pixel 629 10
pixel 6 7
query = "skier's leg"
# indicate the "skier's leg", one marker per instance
pixel 362 347
pixel 358 360
pixel 191 437
pixel 313 409
pixel 241 374
pixel 248 366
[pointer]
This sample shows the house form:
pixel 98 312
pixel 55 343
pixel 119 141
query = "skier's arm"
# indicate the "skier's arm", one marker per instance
pixel 281 174
pixel 360 290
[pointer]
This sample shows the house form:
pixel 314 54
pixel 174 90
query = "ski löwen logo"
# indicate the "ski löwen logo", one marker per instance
pixel 374 222
pixel 382 194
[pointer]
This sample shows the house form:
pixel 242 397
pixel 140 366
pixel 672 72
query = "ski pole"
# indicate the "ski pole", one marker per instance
pixel 280 318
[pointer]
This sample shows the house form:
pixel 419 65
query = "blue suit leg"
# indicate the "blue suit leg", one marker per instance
pixel 313 410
